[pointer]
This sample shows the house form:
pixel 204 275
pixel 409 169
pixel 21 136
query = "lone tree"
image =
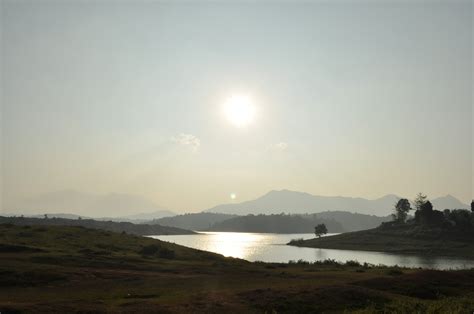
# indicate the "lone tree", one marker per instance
pixel 320 229
pixel 401 210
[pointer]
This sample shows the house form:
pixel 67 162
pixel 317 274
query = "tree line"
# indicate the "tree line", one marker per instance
pixel 425 215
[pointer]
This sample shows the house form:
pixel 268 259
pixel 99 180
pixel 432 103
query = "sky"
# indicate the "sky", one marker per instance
pixel 351 98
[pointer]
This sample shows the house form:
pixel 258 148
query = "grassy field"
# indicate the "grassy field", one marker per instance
pixel 403 239
pixel 58 269
pixel 128 227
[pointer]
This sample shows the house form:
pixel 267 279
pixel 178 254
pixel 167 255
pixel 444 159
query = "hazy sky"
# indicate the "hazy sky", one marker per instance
pixel 352 98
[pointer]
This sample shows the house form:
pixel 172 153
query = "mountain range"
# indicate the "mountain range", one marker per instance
pixel 127 207
pixel 336 221
pixel 294 202
pixel 120 206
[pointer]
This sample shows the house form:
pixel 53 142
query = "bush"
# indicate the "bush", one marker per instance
pixel 302 262
pixel 296 241
pixel 352 263
pixel 166 253
pixel 394 271
pixel 151 249
pixel 155 249
pixel 328 262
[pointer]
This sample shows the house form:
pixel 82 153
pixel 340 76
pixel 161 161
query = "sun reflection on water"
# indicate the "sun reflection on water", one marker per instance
pixel 269 247
pixel 234 244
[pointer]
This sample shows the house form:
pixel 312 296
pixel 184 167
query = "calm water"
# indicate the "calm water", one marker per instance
pixel 271 248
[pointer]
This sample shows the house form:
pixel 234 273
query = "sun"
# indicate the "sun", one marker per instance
pixel 239 110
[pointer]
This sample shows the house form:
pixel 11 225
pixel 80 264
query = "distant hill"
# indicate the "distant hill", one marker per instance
pixel 276 224
pixel 293 202
pixel 353 221
pixel 55 215
pixel 136 219
pixel 92 205
pixel 138 229
pixel 143 217
pixel 195 221
pixel 345 221
pixel 299 203
pixel 448 202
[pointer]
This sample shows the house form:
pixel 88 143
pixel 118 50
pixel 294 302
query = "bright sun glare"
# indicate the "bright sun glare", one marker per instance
pixel 239 110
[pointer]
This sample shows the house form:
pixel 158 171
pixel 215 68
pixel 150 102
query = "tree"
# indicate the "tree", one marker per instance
pixel 401 210
pixel 427 207
pixel 420 200
pixel 427 216
pixel 461 218
pixel 472 206
pixel 320 229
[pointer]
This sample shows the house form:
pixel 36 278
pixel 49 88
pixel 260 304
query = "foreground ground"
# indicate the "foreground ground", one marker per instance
pixel 128 227
pixel 403 239
pixel 73 269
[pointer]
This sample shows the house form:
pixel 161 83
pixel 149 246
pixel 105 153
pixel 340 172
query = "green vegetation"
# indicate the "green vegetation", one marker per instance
pixel 430 232
pixel 401 210
pixel 64 269
pixel 400 239
pixel 137 229
pixel 195 221
pixel 338 221
pixel 276 224
pixel 352 221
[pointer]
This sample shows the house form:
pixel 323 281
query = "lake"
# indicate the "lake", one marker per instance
pixel 269 247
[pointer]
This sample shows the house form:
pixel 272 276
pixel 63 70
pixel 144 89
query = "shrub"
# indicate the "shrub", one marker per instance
pixel 296 241
pixel 151 249
pixel 328 262
pixel 302 262
pixel 394 271
pixel 352 263
pixel 166 253
pixel 155 249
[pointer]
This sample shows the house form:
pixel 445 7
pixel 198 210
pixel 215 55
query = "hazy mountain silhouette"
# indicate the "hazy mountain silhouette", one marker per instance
pixel 194 221
pixel 448 202
pixel 276 223
pixel 353 221
pixel 299 202
pixel 148 216
pixel 55 215
pixel 339 221
pixel 92 205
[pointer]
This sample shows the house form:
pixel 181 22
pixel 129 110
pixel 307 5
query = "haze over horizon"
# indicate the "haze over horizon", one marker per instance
pixel 192 106
pixel 120 205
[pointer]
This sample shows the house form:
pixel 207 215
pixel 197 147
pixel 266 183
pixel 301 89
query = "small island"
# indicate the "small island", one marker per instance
pixel 429 232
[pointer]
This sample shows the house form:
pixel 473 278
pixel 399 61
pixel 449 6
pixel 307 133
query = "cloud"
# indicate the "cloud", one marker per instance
pixel 187 140
pixel 282 146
